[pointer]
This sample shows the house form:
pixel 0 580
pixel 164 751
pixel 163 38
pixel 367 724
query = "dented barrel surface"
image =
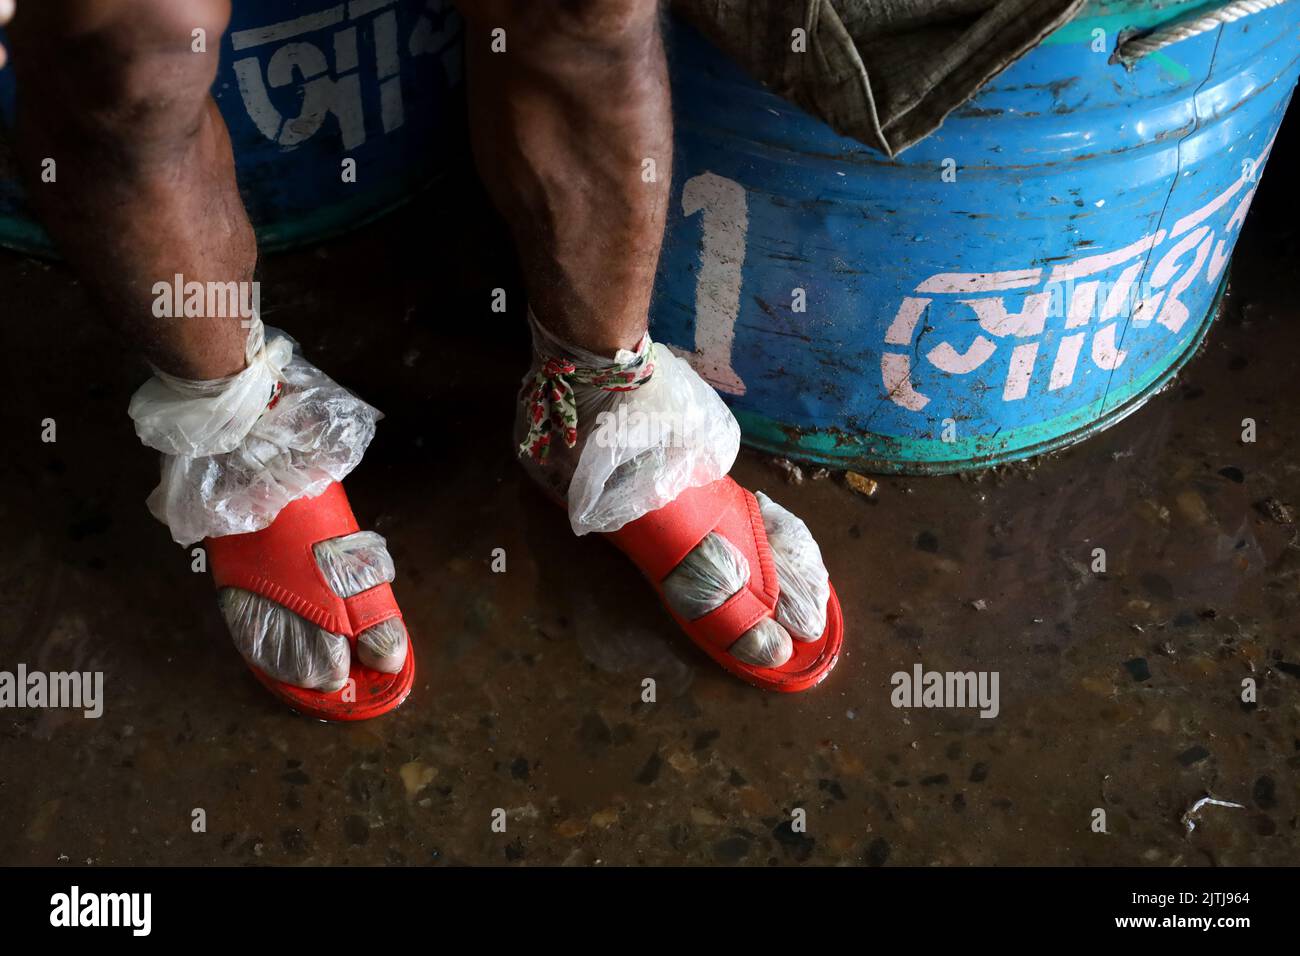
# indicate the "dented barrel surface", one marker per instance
pixel 306 85
pixel 1026 275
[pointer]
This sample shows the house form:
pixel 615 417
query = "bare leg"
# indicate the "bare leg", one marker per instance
pixel 572 133
pixel 572 130
pixel 144 183
pixel 143 188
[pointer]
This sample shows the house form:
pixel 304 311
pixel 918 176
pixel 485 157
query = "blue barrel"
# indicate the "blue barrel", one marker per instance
pixel 1027 275
pixel 304 85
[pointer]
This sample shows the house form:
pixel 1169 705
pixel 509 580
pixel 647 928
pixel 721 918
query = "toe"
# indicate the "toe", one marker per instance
pixel 282 645
pixel 331 664
pixel 805 584
pixel 716 569
pixel 766 644
pixel 354 563
pixel 713 571
pixel 383 647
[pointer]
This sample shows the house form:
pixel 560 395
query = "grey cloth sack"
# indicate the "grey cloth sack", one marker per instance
pixel 885 72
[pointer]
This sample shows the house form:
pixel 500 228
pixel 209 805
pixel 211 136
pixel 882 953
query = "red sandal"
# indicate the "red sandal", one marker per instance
pixel 278 563
pixel 657 543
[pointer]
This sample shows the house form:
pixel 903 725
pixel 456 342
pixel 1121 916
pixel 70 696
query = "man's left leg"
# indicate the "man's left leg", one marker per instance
pixel 572 129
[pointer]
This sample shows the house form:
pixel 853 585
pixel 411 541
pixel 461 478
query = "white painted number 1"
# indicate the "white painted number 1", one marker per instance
pixel 725 224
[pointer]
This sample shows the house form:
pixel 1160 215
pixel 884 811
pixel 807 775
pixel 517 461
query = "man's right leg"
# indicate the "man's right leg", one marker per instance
pixel 142 189
pixel 143 185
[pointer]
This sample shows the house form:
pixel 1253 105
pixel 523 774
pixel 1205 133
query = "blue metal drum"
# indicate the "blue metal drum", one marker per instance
pixel 1027 275
pixel 305 85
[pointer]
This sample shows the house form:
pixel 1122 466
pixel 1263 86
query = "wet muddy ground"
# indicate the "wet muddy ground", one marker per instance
pixel 1119 691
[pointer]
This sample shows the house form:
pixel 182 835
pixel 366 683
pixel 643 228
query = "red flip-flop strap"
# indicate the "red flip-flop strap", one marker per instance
pixel 278 562
pixel 371 607
pixel 724 625
pixel 742 524
pixel 657 542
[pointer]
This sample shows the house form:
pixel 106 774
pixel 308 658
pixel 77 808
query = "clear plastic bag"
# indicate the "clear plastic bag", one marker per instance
pixel 383 647
pixel 805 583
pixel 291 649
pixel 354 563
pixel 235 452
pixel 713 571
pixel 232 471
pixel 637 450
pixel 283 645
pixel 192 419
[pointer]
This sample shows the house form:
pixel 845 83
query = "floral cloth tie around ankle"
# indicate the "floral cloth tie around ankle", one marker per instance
pixel 552 407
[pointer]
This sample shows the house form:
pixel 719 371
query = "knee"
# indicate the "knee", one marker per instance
pixel 143 66
pixel 599 23
pixel 595 25
pixel 166 58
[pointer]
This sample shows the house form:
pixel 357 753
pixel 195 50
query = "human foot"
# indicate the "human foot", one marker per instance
pixel 715 570
pixel 309 606
pixel 710 553
pixel 651 430
pixel 251 464
pixel 288 648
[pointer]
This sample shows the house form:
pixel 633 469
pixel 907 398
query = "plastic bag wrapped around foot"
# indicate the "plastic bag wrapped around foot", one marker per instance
pixel 383 647
pixel 235 452
pixel 713 571
pixel 191 419
pixel 355 563
pixel 636 450
pixel 238 450
pixel 805 583
pixel 282 645
pixel 285 646
pixel 766 644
